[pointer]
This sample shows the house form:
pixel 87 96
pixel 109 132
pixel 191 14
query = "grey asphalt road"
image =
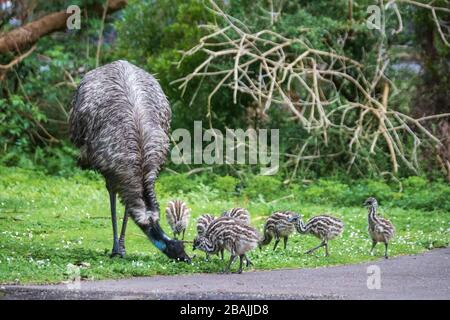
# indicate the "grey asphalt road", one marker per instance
pixel 424 276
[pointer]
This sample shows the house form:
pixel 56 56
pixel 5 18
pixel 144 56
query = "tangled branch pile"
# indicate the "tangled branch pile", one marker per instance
pixel 291 75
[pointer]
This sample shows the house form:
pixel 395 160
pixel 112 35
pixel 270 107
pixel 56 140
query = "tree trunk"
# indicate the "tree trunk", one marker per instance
pixel 23 37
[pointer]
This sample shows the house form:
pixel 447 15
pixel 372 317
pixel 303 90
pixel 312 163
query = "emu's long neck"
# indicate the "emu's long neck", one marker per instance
pixel 154 231
pixel 372 216
pixel 211 246
pixel 157 236
pixel 300 226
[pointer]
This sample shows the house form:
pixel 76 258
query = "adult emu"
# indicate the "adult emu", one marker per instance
pixel 120 120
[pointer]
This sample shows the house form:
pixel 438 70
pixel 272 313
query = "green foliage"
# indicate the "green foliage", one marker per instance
pixel 226 185
pixel 22 143
pixel 262 187
pixel 325 190
pixel 421 194
pixel 414 192
pixel 175 184
pixel 56 161
pixel 18 119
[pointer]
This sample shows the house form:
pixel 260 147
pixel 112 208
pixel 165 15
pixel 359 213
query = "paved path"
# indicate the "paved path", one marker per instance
pixel 424 276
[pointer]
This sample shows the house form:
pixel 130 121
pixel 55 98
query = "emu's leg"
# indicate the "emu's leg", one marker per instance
pixel 285 241
pixel 112 202
pixel 249 263
pixel 122 235
pixel 227 269
pixel 374 243
pixel 386 250
pixel 276 243
pixel 241 258
pixel 326 249
pixel 221 254
pixel 315 248
pixel 183 234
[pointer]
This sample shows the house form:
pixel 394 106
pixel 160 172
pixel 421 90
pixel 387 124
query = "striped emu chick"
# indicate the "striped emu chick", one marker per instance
pixel 324 227
pixel 177 214
pixel 240 214
pixel 380 230
pixel 203 223
pixel 232 235
pixel 278 226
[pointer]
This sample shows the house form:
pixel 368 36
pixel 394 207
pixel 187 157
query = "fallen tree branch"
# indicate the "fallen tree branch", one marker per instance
pixel 27 35
pixel 359 120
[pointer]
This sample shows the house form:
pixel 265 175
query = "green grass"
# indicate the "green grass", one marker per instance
pixel 48 222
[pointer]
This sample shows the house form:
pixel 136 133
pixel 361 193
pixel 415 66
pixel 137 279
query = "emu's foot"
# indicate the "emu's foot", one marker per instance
pixel 118 253
pixel 115 254
pixel 386 257
pixel 238 272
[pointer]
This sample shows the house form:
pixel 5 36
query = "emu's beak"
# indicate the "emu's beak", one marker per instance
pixel 186 259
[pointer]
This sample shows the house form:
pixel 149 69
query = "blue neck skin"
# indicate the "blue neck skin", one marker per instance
pixel 159 244
pixel 157 236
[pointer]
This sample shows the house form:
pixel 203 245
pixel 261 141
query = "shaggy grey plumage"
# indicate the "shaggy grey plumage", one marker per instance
pixel 120 121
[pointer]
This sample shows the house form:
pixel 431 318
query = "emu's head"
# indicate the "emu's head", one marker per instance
pixel 294 217
pixel 196 243
pixel 371 202
pixel 202 243
pixel 200 230
pixel 175 250
pixel 179 227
